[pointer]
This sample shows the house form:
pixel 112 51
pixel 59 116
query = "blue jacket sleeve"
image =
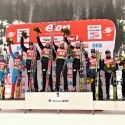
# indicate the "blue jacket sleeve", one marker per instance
pixel 11 53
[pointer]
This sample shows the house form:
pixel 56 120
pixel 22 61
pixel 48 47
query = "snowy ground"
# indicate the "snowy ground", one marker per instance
pixel 35 117
pixel 64 118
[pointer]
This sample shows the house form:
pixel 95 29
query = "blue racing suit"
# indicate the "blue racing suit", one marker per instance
pixel 3 70
pixel 17 66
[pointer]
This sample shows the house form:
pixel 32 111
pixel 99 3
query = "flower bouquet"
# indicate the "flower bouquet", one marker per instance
pixel 65 31
pixel 37 30
pixel 122 58
pixel 24 34
pixel 9 41
pixel 110 67
pixel 89 80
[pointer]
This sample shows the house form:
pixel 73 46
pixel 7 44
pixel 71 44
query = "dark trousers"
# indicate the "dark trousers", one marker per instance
pixel 123 82
pixel 61 66
pixel 93 87
pixel 76 67
pixel 107 80
pixel 35 80
pixel 92 74
pixel 28 66
pixel 44 62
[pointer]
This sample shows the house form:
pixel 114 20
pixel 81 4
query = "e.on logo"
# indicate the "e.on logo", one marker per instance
pixel 52 27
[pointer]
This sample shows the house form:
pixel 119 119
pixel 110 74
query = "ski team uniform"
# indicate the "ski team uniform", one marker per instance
pixel 108 73
pixel 61 66
pixel 91 72
pixel 3 69
pixel 76 60
pixel 16 73
pixel 32 56
pixel 76 64
pixel 16 67
pixel 45 52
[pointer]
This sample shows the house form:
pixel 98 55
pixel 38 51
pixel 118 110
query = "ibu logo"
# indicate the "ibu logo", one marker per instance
pixel 97 45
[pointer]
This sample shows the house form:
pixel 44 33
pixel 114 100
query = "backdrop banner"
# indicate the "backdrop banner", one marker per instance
pixel 97 33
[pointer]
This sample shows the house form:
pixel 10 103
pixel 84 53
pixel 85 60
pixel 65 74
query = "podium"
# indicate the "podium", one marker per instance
pixel 12 104
pixel 59 101
pixel 62 101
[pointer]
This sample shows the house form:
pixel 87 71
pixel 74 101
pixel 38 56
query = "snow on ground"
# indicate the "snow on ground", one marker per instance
pixel 64 118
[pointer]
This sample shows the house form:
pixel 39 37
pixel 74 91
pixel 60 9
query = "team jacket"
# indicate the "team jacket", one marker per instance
pixel 109 65
pixel 75 50
pixel 77 53
pixel 61 53
pixel 91 63
pixel 31 54
pixel 17 61
pixel 45 51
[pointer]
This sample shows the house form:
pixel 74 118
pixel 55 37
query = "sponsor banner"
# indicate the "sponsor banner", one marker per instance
pixel 57 39
pixel 101 29
pixel 19 34
pixel 96 33
pixel 99 46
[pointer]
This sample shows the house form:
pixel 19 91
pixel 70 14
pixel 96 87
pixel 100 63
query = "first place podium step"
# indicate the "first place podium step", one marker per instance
pixel 59 100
